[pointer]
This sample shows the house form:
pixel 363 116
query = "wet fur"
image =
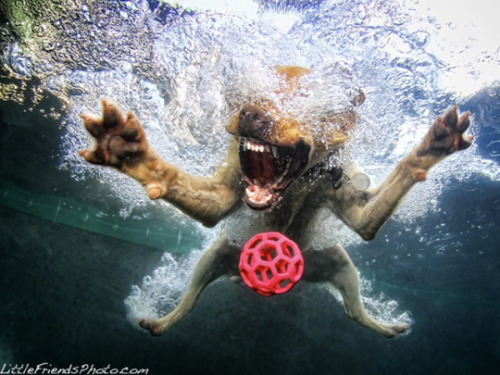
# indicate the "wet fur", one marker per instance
pixel 121 143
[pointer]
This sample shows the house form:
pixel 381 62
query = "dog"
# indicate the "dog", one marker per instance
pixel 280 172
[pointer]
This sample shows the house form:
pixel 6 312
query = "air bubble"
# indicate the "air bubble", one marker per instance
pixel 420 38
pixel 186 80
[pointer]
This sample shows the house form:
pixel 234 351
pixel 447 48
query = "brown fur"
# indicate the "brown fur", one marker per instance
pixel 121 143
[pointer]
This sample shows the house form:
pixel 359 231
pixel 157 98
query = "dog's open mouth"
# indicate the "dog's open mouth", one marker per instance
pixel 269 169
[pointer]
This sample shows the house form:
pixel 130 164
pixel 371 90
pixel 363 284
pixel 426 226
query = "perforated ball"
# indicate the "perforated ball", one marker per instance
pixel 271 263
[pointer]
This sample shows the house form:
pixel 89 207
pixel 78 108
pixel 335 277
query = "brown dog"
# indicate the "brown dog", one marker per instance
pixel 278 167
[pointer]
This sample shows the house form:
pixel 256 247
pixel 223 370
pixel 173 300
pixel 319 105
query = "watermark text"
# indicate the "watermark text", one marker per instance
pixel 46 368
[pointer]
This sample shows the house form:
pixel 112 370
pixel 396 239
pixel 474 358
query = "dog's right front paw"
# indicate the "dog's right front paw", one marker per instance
pixel 119 139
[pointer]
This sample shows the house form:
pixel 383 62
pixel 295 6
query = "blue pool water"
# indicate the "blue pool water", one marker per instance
pixel 84 254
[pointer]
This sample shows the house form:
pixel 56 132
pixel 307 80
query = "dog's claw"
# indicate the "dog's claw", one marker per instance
pixel 112 117
pixel 451 117
pixel 463 122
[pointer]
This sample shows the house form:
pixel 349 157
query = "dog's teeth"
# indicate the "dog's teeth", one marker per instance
pixel 287 168
pixel 255 146
pixel 274 150
pixel 250 193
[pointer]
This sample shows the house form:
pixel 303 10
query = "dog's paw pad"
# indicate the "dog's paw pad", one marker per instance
pixel 446 135
pixel 152 326
pixel 118 138
pixel 396 329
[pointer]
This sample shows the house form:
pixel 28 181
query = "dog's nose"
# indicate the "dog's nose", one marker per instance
pixel 253 121
pixel 254 113
pixel 245 114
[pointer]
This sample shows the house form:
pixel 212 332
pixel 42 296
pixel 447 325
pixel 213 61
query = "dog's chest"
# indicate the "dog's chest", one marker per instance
pixel 245 223
pixel 289 217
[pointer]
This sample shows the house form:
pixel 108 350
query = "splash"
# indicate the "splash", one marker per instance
pixel 377 305
pixel 185 77
pixel 184 73
pixel 162 291
pixel 382 307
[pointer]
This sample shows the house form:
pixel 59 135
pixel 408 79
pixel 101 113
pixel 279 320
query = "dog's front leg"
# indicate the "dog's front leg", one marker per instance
pixel 366 212
pixel 121 143
pixel 220 260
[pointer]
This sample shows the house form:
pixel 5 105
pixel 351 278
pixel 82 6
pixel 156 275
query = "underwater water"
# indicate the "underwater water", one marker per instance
pixel 84 254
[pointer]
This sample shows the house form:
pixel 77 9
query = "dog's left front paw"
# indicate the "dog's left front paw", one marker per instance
pixel 446 135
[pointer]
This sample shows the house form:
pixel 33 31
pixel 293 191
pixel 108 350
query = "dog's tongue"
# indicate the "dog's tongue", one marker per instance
pixel 258 195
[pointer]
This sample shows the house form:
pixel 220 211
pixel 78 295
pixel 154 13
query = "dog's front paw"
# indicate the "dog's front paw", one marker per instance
pixel 119 138
pixel 446 135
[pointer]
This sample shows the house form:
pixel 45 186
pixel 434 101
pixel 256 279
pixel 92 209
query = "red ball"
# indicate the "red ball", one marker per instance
pixel 271 263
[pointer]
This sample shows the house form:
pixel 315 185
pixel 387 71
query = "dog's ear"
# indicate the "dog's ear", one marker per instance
pixel 232 127
pixel 292 75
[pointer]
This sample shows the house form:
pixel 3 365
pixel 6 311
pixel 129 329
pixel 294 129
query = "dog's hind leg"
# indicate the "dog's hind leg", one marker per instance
pixel 334 266
pixel 220 260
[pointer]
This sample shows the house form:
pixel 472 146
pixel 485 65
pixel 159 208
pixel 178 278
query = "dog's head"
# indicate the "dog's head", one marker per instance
pixel 277 148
